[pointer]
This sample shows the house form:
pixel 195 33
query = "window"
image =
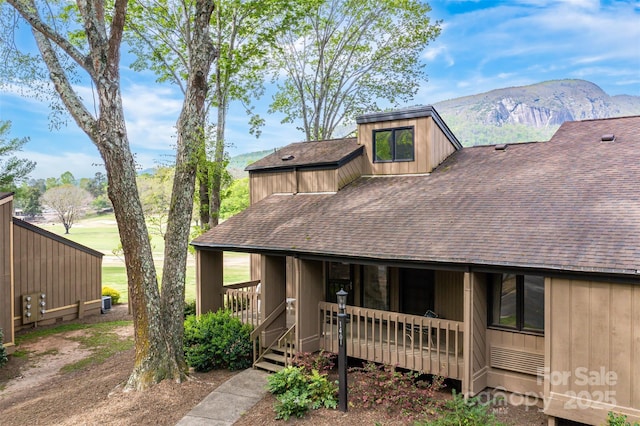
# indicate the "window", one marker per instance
pixel 375 293
pixel 393 145
pixel 417 291
pixel 339 276
pixel 517 302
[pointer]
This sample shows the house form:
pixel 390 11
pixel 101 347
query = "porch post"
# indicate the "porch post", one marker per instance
pixel 209 281
pixel 273 273
pixel 467 334
pixel 342 350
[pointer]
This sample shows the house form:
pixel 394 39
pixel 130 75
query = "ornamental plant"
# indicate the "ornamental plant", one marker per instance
pixel 460 411
pixel 3 351
pixel 217 340
pixel 401 393
pixel 113 293
pixel 298 391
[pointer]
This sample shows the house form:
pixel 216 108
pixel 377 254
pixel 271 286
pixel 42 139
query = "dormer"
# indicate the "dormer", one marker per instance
pixel 408 141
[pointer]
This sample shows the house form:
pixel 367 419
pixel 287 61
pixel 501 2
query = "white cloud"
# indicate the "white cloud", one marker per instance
pixel 49 165
pixel 432 54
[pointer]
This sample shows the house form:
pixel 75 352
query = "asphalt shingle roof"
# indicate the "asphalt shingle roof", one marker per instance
pixel 301 154
pixel 570 204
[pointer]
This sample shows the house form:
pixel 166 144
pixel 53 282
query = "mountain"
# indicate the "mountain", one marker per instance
pixel 237 163
pixel 530 113
pixel 515 114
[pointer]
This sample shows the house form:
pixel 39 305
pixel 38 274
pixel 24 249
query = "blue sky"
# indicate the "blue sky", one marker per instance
pixel 484 45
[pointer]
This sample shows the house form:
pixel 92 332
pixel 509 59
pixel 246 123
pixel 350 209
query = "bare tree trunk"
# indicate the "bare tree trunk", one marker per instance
pixel 190 149
pixel 156 356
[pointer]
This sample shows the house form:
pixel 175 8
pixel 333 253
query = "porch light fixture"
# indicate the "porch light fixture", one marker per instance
pixel 342 351
pixel 342 300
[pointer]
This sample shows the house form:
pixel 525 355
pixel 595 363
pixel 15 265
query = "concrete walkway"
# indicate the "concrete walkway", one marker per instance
pixel 229 401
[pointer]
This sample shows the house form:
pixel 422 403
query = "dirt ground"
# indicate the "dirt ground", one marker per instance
pixel 34 391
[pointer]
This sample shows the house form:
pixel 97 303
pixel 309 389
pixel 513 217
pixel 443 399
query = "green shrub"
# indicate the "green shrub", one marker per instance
pixel 297 392
pixel 115 294
pixel 217 340
pixel 458 411
pixel 3 351
pixel 189 308
pixel 614 419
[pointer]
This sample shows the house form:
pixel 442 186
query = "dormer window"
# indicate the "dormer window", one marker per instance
pixel 393 145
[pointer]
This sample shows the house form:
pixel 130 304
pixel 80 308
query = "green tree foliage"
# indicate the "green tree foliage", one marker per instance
pixel 235 198
pixel 13 170
pixel 242 32
pixel 155 194
pixel 348 57
pixel 67 178
pixel 97 187
pixel 31 205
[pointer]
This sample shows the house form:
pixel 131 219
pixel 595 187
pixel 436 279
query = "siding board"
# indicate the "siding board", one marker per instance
pixel 594 336
pixel 6 207
pixel 65 271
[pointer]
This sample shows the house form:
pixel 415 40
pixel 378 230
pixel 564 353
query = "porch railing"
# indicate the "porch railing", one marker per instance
pixel 429 345
pixel 260 346
pixel 243 299
pixel 286 344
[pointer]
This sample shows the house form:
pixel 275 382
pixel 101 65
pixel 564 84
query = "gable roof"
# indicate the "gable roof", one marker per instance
pixel 317 154
pixel 55 237
pixel 570 204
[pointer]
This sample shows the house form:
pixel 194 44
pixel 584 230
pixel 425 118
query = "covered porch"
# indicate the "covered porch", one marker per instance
pixel 291 308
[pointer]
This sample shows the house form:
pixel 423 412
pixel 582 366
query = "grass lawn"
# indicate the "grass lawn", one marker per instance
pixel 101 233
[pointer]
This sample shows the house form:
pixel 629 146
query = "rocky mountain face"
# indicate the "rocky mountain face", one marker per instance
pixel 530 113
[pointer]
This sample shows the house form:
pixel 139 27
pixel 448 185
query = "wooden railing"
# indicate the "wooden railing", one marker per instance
pixel 286 343
pixel 243 300
pixel 260 347
pixel 428 345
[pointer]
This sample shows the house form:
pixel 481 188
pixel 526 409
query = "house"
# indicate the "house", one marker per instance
pixel 528 254
pixel 44 278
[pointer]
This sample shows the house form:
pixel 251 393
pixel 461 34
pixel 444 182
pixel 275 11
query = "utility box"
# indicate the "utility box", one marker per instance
pixel 106 304
pixel 34 307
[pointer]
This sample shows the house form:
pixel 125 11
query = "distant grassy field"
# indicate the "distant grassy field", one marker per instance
pixel 101 233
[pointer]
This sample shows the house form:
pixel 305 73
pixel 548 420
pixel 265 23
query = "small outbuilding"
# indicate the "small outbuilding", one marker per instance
pixel 44 278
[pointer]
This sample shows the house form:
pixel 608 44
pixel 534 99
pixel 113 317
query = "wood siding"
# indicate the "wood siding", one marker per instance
pixel 478 333
pixel 594 331
pixel 514 359
pixel 440 146
pixel 6 320
pixel 317 180
pixel 70 278
pixel 350 172
pixel 431 147
pixel 263 184
pixel 449 295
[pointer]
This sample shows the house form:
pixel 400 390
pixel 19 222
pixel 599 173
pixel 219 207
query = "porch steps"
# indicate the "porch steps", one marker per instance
pixel 273 361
